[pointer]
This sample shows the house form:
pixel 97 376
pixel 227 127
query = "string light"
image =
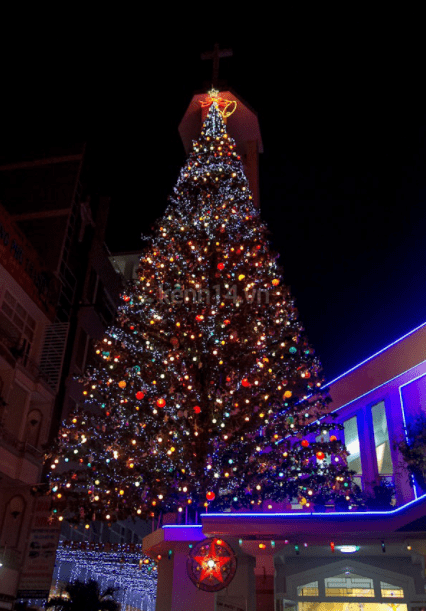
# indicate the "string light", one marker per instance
pixel 134 575
pixel 205 366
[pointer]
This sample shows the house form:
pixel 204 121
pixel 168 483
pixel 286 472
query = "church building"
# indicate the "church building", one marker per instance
pixel 310 558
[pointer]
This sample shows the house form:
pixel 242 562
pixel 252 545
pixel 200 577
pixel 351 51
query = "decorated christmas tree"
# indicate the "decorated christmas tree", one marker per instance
pixel 207 392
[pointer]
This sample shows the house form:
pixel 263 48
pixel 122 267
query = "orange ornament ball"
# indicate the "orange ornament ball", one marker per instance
pixel 320 455
pixel 287 394
pixel 305 443
pixel 122 384
pixel 275 282
pixel 161 402
pixel 333 438
pixel 139 395
pixel 197 409
pixel 210 496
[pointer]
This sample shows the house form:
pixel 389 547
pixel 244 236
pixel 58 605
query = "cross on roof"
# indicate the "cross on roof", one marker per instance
pixel 216 55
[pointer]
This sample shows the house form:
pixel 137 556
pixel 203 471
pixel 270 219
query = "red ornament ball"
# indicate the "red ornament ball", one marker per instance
pixel 246 383
pixel 161 402
pixel 220 266
pixel 210 496
pixel 199 317
pixel 197 409
pixel 139 395
pixel 320 455
pixel 305 443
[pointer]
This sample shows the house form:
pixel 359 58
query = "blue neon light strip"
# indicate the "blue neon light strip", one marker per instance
pixel 347 514
pixel 374 355
pixel 338 513
pixel 183 525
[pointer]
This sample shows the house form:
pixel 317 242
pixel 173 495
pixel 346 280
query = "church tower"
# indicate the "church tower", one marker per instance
pixel 241 119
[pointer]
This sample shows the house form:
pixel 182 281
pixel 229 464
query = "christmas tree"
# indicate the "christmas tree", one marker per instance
pixel 207 391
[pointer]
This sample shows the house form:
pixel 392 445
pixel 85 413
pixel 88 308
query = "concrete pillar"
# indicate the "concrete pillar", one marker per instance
pixel 265 583
pixel 175 591
pixel 403 489
pixel 241 592
pixel 368 450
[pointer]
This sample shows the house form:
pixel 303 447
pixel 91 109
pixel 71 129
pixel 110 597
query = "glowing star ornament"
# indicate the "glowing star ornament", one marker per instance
pixel 211 565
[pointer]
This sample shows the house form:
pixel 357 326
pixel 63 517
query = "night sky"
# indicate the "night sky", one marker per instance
pixel 343 175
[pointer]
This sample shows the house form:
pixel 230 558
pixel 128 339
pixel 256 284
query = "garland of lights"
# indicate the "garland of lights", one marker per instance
pixel 134 576
pixel 206 392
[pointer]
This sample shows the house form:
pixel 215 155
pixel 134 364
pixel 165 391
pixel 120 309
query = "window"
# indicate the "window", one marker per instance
pixel 352 445
pixel 349 585
pixel 390 591
pixel 17 323
pixel 12 522
pixel 32 429
pixel 309 589
pixel 349 606
pixel 381 439
pixel 14 412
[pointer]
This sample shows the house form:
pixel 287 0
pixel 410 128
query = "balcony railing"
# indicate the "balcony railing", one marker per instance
pixel 11 344
pixel 22 447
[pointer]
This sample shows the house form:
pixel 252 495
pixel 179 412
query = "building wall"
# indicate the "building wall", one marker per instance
pixel 26 405
pixel 392 382
pixel 49 231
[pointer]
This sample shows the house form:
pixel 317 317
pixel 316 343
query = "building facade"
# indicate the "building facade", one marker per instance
pixel 366 557
pixel 58 291
pixel 27 396
pixel 320 559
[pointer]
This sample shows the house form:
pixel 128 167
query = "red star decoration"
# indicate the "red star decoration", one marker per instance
pixel 211 564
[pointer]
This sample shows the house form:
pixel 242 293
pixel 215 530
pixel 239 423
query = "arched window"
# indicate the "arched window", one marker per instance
pixel 12 522
pixel 33 426
pixel 347 586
